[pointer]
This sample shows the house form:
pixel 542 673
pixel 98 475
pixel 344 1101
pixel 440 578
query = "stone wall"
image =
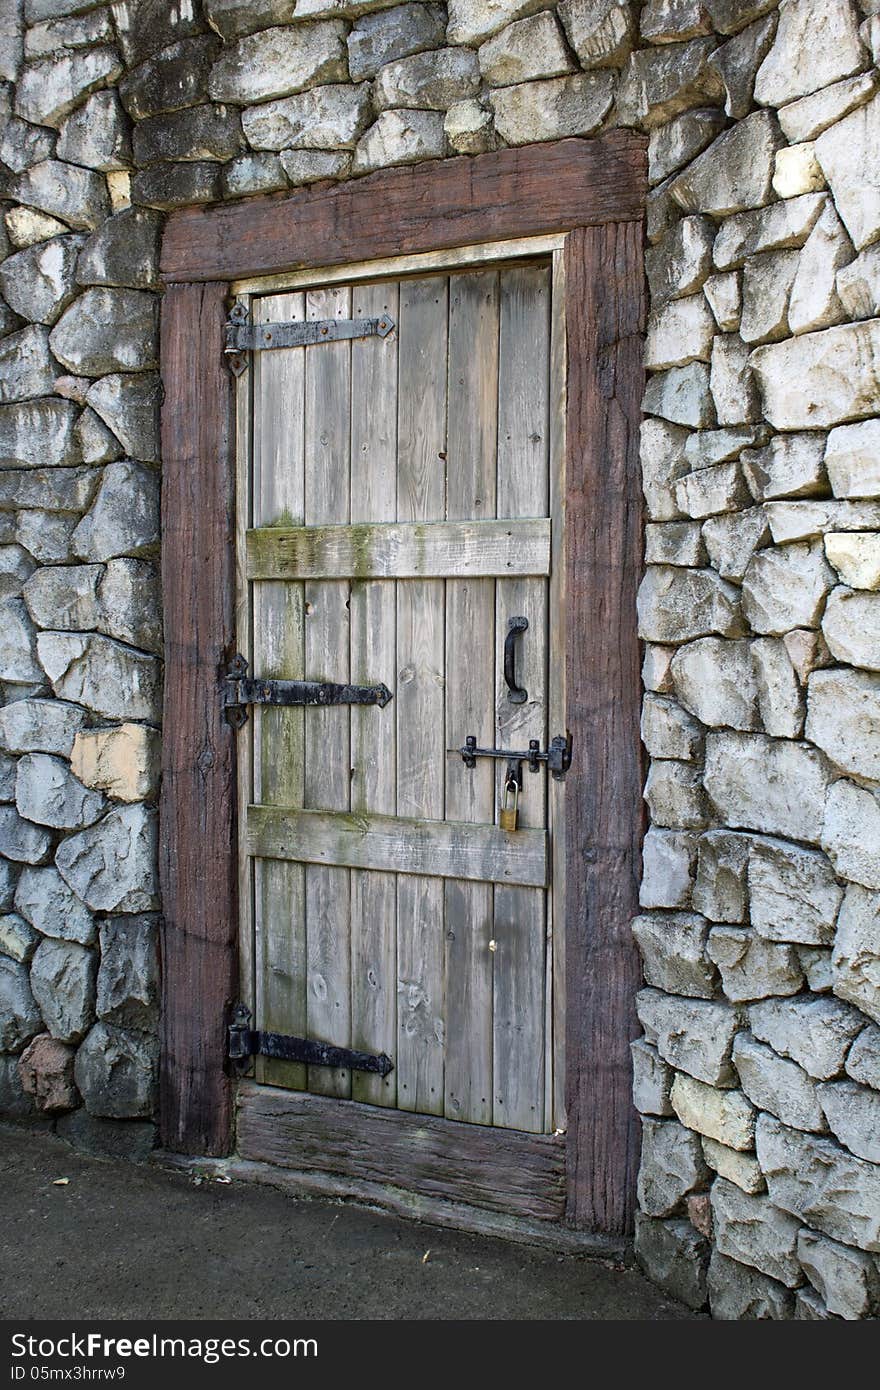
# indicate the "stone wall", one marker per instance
pixel 759 1071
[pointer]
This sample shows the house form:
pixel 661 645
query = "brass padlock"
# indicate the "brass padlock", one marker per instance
pixel 507 818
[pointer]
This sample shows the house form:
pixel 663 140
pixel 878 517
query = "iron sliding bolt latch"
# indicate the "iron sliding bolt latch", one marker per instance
pixel 557 757
pixel 243 337
pixel 245 1042
pixel 241 690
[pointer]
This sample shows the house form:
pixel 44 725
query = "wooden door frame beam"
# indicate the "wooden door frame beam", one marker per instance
pixel 593 190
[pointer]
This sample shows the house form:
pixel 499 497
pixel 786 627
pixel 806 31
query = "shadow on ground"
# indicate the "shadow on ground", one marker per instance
pixel 118 1241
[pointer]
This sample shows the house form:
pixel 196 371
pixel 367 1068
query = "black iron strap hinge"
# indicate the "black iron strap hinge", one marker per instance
pixel 245 1042
pixel 241 690
pixel 243 337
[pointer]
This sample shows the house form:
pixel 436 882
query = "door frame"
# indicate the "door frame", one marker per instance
pixel 593 191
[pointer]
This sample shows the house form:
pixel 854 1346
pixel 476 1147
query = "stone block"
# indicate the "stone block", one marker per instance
pixel 724 1116
pixel 801 520
pixel 780 701
pixel 253 173
pixel 780 226
pixel 128 977
pixel 851 626
pixel 673 950
pixel 797 171
pixel 38 283
pixel 679 264
pixel 377 39
pixel 760 783
pixel 668 731
pixel 767 284
pixel 176 185
pixel 96 135
pixel 847 1280
pixel 753 1231
pixel 723 295
pixel 863 1059
pixel 751 967
pixel 471 21
pixel 658 83
pixel 656 667
pixel 732 538
pixel 77 196
pixel 652 1079
pixel 105 676
pixel 18 940
pixel 855 959
pixel 807 117
pixel 676 605
pixel 552 109
pixel 814 1032
pixel 856 557
pixel 430 81
pixel 853 1114
pixel 817 43
pixel 680 140
pixel 714 679
pixel 852 458
pixel 843 719
pixel 108 330
pixel 21 841
pixel 400 137
pixel 122 761
pixel 129 405
pixel 20 1018
pixel 819 379
pixel 330 118
pixel 674 1256
pixel 48 90
pixel 46 1071
pixel 858 285
pixel 47 793
pixel 738 1293
pixel 720 889
pixel 39 726
pixel 814 302
pixel 844 152
pixel 692 1035
pixel 25 227
pixel 786 587
pixel 821 1184
pixel 672 1165
pixel 116 1072
pixel 662 453
pixel 45 901
pixel 469 128
pixel 737 63
pixel 674 543
pixel 674 794
pixel 682 396
pixel 730 380
pixel 63 983
pixel 111 866
pixel 124 517
pixel 735 172
pixel 124 253
pixel 709 491
pixel 792 465
pixel 668 863
pixel 679 333
pixel 172 79
pixel 601 32
pixel 739 1168
pixel 279 61
pixel 793 893
pixel 777 1085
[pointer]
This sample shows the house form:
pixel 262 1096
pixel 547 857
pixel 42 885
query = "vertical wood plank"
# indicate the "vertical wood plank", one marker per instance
pixel 327 644
pixel 472 412
pixel 523 490
pixel 604 319
pixel 198 861
pixel 419 701
pixel 279 653
pixel 244 743
pixel 373 658
pixel 557 716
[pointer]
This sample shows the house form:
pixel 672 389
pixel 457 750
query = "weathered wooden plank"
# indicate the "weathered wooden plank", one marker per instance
pixel 419 692
pixel 198 863
pixel 402 551
pixel 437 848
pixel 502 1170
pixel 244 750
pixel 604 298
pixel 452 202
pixel 328 730
pixel 472 412
pixel 278 652
pixel 373 651
pixel 557 717
pixel 523 487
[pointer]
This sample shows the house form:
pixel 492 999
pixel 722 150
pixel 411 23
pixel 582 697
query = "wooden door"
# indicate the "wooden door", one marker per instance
pixel 400 504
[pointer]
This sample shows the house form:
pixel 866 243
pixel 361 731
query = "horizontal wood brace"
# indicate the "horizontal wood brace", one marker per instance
pixel 436 848
pixel 398 550
pixel 499 1169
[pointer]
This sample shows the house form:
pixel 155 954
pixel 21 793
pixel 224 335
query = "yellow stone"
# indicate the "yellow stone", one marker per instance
pixel 124 761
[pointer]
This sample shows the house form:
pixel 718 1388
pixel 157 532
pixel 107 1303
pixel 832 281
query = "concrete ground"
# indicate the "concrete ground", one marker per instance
pixel 119 1241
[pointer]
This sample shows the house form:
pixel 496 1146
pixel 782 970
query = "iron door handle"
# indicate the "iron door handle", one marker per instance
pixel 515 693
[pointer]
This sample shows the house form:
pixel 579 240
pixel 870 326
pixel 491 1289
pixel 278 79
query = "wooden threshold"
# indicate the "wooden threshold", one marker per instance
pixel 437 848
pixel 400 550
pixel 502 1170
